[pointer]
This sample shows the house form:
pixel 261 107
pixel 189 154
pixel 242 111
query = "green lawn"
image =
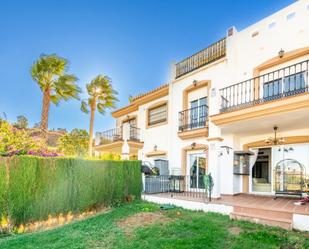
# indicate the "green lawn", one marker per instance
pixel 143 225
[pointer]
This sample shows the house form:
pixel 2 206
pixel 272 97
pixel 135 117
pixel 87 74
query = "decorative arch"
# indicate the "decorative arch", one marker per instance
pixel 293 54
pixel 194 86
pixel 191 148
pixel 129 118
pixel 288 140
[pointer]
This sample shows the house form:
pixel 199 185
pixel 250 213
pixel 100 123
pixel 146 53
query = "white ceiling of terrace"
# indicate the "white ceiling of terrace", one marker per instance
pixel 285 121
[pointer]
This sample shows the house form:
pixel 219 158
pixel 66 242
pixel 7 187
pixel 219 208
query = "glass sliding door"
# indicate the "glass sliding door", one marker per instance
pixel 197 170
pixel 198 113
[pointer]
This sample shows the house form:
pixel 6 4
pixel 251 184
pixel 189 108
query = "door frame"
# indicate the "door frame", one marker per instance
pixel 188 168
pixel 271 192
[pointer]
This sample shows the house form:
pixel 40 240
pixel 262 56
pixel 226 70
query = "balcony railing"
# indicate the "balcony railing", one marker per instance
pixel 202 58
pixel 117 134
pixel 111 136
pixel 135 134
pixel 184 186
pixel 282 83
pixel 193 118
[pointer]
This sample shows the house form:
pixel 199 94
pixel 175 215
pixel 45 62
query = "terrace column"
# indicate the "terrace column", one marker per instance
pixel 125 152
pixel 214 167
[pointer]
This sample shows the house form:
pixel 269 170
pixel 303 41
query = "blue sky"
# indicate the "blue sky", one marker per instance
pixel 133 42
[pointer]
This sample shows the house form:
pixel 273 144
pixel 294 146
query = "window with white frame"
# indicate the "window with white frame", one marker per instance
pixel 272 25
pixel 290 16
pixel 198 111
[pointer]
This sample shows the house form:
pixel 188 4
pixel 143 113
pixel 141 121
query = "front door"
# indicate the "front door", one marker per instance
pixel 196 170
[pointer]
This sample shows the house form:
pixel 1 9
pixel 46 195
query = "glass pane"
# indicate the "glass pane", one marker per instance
pixel 194 113
pixel 201 171
pixel 194 103
pixel 193 171
pixel 203 101
pixel 265 91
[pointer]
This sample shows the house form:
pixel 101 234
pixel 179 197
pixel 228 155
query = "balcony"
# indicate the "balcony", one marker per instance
pixel 121 140
pixel 193 122
pixel 135 134
pixel 210 54
pixel 280 96
pixel 110 136
pixel 116 135
pixel 276 85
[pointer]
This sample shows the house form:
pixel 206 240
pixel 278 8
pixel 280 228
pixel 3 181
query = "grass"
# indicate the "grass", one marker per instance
pixel 181 229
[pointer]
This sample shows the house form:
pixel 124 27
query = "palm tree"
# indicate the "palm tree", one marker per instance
pixel 50 72
pixel 102 96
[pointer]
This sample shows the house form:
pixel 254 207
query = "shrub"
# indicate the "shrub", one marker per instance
pixel 74 143
pixel 39 187
pixel 13 139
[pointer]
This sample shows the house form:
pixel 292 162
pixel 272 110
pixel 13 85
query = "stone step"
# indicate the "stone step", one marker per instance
pixel 273 214
pixel 263 219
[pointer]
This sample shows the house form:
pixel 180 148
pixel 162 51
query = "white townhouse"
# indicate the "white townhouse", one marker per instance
pixel 238 109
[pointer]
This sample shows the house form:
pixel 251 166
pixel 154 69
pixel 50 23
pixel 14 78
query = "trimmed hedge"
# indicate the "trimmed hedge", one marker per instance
pixel 37 187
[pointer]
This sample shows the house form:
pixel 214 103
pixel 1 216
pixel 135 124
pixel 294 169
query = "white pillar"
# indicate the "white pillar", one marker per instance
pixel 214 167
pixel 125 151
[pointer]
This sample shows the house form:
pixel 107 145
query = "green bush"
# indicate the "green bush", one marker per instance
pixel 38 186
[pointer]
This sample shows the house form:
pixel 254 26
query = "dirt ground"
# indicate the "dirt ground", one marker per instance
pixel 235 230
pixel 144 219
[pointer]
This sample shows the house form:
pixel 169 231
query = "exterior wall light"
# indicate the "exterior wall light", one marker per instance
pixel 281 53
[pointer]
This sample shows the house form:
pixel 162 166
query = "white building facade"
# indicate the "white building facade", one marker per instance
pixel 218 112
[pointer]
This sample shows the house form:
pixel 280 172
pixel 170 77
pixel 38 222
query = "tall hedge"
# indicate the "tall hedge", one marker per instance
pixel 36 187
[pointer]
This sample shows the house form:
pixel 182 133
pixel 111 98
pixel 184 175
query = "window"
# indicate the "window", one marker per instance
pixel 132 122
pixel 290 16
pixel 254 34
pixel 272 89
pixel 157 115
pixel 295 82
pixel 291 84
pixel 198 112
pixel 271 25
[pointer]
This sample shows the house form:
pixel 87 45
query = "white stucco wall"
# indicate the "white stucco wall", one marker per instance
pixel 151 136
pixel 244 53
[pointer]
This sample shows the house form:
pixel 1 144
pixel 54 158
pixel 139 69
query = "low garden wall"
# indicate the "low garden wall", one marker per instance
pixel 32 188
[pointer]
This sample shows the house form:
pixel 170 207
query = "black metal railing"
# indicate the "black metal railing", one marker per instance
pixel 202 58
pixel 177 186
pixel 281 83
pixel 110 136
pixel 193 118
pixel 135 134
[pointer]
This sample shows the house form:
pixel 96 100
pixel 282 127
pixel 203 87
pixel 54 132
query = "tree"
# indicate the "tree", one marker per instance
pixel 74 143
pixel 102 96
pixel 131 98
pixel 50 72
pixel 21 123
